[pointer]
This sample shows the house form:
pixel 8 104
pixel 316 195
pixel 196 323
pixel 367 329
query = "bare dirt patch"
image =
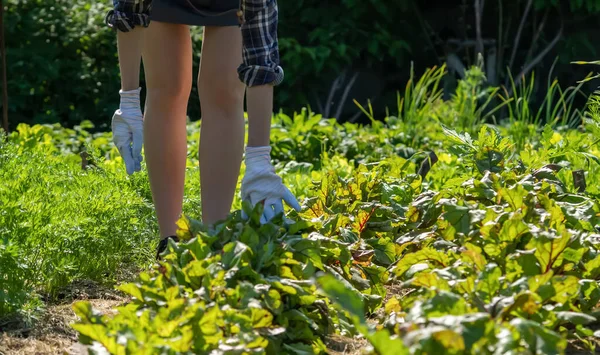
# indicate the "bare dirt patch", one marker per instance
pixel 339 345
pixel 52 334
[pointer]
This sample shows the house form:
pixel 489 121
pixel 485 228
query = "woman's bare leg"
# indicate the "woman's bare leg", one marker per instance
pixel 129 45
pixel 168 69
pixel 260 111
pixel 222 130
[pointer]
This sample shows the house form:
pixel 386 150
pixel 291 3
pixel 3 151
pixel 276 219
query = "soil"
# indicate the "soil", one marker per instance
pixel 53 334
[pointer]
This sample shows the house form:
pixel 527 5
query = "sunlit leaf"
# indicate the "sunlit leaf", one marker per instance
pixel 343 296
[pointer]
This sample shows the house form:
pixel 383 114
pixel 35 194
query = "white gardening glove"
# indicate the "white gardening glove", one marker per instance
pixel 262 184
pixel 128 129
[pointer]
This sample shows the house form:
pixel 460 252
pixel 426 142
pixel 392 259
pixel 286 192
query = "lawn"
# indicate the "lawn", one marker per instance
pixel 467 225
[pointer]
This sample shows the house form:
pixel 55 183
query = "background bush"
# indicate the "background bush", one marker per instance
pixel 63 65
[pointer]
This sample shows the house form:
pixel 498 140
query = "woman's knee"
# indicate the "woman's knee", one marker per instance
pixel 224 94
pixel 218 83
pixel 167 61
pixel 170 89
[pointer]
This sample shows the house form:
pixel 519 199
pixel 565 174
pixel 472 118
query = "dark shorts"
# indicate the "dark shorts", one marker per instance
pixel 197 12
pixel 127 14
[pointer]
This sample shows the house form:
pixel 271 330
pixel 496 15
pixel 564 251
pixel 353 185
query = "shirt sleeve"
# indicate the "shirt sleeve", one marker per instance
pixel 260 52
pixel 127 14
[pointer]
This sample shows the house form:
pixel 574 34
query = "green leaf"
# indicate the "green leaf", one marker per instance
pixel 565 288
pixel 528 264
pixel 493 250
pixel 472 327
pixel 555 215
pixel 345 297
pixel 378 277
pixel 443 303
pixel 84 310
pixel 561 289
pixel 384 344
pixel 474 257
pixel 513 228
pixel 132 289
pixel 514 196
pixel 574 255
pixel 299 349
pixel 429 280
pixel 299 226
pixel 488 283
pixel 286 285
pixel 310 249
pixel 98 333
pixel 261 318
pixel 249 237
pixel 489 160
pixel 539 280
pixel 392 305
pixel 233 253
pixel 592 267
pixel 385 250
pixel 458 217
pixel 525 304
pixel 589 295
pixel 539 339
pixel 194 272
pixel 273 300
pixel 450 340
pixel 574 317
pixel 460 139
pixel 549 249
pixel 199 249
pixel 431 256
pixel 172 293
pixel 208 324
pixel 306 322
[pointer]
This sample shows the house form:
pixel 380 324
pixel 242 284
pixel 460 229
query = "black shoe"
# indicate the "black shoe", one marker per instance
pixel 162 246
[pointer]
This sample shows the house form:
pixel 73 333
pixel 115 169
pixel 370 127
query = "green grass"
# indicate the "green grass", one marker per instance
pixel 494 250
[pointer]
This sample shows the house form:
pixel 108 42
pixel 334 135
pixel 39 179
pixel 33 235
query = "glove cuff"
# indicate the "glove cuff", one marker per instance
pixel 252 152
pixel 135 92
pixel 258 157
pixel 130 100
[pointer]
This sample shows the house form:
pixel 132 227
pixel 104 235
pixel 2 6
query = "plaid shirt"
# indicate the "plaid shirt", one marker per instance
pixel 260 50
pixel 126 14
pixel 258 18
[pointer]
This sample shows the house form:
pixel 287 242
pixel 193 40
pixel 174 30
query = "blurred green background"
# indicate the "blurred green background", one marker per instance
pixel 63 65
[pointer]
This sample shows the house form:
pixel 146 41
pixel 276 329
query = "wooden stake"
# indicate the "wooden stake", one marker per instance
pixel 4 79
pixel 579 180
pixel 427 164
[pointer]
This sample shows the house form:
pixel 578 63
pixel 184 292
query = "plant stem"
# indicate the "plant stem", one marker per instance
pixel 478 14
pixel 349 86
pixel 519 32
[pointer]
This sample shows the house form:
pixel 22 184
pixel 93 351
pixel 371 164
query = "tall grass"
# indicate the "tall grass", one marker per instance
pixel 475 102
pixel 60 223
pixel 472 104
pixel 416 107
pixel 557 108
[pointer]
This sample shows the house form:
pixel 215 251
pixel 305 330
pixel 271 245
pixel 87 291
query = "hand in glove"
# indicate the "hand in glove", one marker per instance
pixel 128 130
pixel 261 184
